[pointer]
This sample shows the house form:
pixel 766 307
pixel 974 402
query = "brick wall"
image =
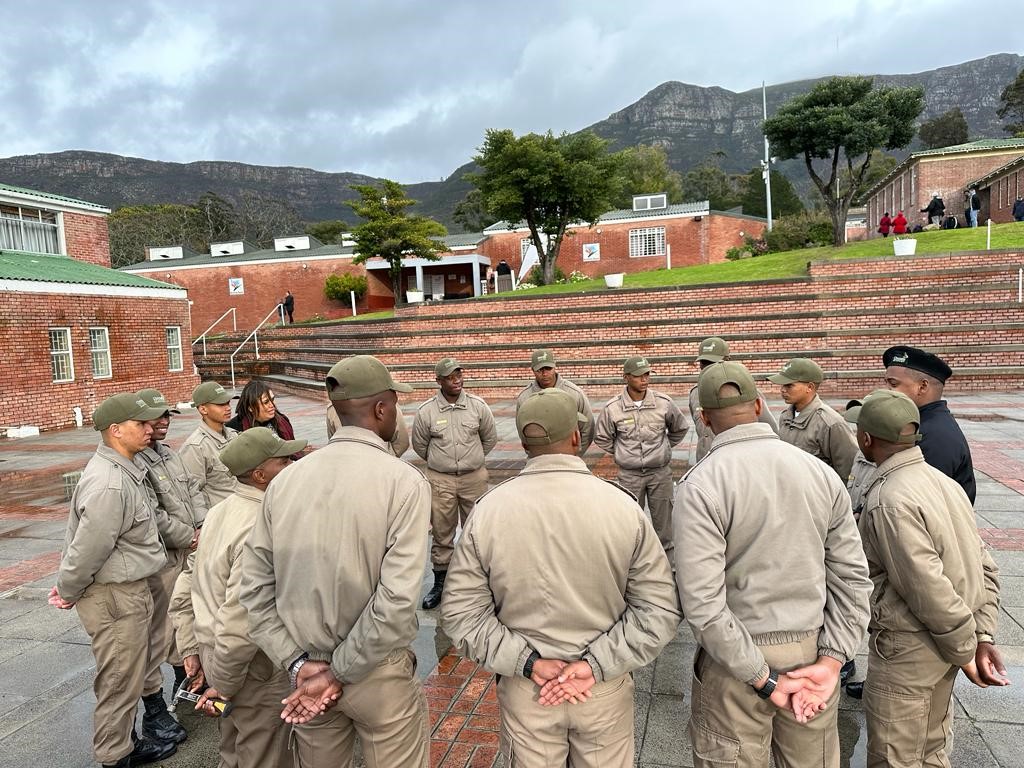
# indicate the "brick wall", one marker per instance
pixel 137 349
pixel 87 237
pixel 999 195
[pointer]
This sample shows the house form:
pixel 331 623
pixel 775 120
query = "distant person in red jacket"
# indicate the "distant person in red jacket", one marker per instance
pixel 899 224
pixel 885 224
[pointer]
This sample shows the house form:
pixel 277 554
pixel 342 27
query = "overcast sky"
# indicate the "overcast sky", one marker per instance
pixel 406 89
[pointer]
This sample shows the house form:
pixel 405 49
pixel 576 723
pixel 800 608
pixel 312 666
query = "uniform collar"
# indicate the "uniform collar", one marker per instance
pixel 461 403
pixel 900 460
pixel 250 493
pixel 743 432
pixel 558 462
pixel 352 434
pixel 138 473
pixel 807 410
pixel 219 437
pixel 936 406
pixel 628 402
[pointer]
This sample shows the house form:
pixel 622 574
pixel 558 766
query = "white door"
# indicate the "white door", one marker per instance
pixel 437 286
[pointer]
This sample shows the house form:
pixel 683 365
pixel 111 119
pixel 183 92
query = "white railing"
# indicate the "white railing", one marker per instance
pixel 234 327
pixel 279 311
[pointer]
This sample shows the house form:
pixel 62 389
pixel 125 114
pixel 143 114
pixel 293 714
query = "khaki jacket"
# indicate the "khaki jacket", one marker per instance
pixel 205 607
pixel 930 569
pixel 334 564
pixel 704 434
pixel 514 586
pixel 861 476
pixel 454 437
pixel 199 454
pixel 399 443
pixel 640 437
pixel 112 535
pixel 767 551
pixel 177 493
pixel 582 405
pixel 821 432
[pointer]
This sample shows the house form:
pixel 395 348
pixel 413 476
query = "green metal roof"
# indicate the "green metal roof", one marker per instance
pixel 972 146
pixel 21 265
pixel 55 198
pixel 257 255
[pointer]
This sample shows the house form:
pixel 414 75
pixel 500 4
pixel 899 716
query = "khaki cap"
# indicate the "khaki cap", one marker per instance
pixel 713 349
pixel 446 366
pixel 542 358
pixel 636 366
pixel 126 406
pixel 552 410
pixel 155 399
pixel 798 369
pixel 251 448
pixel 852 412
pixel 714 377
pixel 885 412
pixel 360 376
pixel 210 392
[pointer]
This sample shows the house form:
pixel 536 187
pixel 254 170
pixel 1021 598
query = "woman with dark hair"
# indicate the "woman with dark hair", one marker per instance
pixel 256 409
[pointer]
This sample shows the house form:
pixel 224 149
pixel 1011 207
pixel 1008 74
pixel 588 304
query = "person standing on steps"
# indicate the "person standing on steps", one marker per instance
pixel 288 304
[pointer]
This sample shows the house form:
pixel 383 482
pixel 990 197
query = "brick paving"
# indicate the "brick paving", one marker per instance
pixel 463 704
pixel 28 570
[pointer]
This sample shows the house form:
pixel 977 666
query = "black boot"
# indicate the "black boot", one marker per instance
pixel 145 751
pixel 855 689
pixel 847 671
pixel 179 678
pixel 433 598
pixel 157 723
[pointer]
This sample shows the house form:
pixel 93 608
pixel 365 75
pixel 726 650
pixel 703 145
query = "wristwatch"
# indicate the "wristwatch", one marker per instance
pixel 766 690
pixel 528 666
pixel 294 667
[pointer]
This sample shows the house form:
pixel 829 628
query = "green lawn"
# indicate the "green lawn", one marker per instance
pixel 794 263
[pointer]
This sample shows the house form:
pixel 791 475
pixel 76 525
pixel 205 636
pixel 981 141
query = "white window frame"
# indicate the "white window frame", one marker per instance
pixel 650 202
pixel 31 217
pixel 647 241
pixel 173 348
pixel 61 354
pixel 524 246
pixel 103 351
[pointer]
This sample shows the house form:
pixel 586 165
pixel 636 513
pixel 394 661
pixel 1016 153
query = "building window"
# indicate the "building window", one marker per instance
pixel 99 348
pixel 29 229
pixel 524 246
pixel 60 355
pixel 649 241
pixel 174 348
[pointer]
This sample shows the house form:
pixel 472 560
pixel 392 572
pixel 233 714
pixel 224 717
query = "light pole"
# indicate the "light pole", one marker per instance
pixel 766 171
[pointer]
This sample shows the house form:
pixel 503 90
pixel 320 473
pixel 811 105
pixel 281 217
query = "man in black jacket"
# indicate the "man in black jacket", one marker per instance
pixel 936 209
pixel 922 376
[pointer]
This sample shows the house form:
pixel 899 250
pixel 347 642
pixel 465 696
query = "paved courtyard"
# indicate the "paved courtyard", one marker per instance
pixel 46 668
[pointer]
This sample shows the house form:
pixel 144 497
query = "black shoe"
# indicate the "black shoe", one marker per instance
pixel 433 598
pixel 855 690
pixel 847 671
pixel 179 678
pixel 157 723
pixel 149 751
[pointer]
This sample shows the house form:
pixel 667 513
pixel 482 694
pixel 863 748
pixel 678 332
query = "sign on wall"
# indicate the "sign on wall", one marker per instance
pixel 236 286
pixel 591 251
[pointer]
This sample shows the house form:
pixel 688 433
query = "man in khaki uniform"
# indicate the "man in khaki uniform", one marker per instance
pixel 213 625
pixel 331 578
pixel 516 603
pixel 710 351
pixel 773 583
pixel 452 432
pixel 936 591
pixel 639 428
pixel 546 376
pixel 200 449
pixel 810 424
pixel 111 548
pixel 398 444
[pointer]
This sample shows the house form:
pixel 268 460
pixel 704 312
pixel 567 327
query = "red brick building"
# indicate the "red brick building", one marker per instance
pixel 949 171
pixel 999 190
pixel 76 331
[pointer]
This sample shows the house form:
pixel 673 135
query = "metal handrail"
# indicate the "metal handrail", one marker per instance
pixel 277 310
pixel 234 327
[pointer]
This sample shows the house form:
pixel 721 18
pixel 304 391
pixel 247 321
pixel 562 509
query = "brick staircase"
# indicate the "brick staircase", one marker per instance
pixel 962 306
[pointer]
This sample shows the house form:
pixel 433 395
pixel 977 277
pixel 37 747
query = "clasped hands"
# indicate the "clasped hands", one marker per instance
pixel 805 691
pixel 316 691
pixel 563 681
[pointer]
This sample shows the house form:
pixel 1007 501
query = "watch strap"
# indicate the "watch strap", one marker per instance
pixel 528 666
pixel 766 690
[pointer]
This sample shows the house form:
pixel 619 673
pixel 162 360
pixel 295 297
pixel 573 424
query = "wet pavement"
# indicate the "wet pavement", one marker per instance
pixel 46 668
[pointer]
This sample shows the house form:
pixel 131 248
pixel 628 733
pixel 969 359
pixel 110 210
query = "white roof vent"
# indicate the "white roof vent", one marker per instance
pixel 299 243
pixel 650 202
pixel 227 249
pixel 165 252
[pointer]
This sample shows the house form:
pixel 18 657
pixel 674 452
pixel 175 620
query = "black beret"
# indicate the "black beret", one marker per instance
pixel 917 360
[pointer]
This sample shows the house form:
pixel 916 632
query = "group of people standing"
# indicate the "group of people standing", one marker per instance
pixel 298 600
pixel 935 215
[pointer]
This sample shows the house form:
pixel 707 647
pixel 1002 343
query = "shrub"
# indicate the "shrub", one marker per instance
pixel 803 230
pixel 536 275
pixel 576 277
pixel 338 287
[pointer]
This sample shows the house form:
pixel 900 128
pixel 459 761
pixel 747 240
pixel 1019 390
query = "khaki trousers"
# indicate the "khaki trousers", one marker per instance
pixel 161 632
pixel 653 487
pixel 387 709
pixel 117 618
pixel 731 726
pixel 908 698
pixel 451 500
pixel 254 735
pixel 597 732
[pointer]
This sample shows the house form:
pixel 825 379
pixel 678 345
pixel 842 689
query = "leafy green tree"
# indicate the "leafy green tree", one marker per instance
pixel 947 129
pixel 548 182
pixel 471 212
pixel 645 171
pixel 709 182
pixel 785 201
pixel 338 287
pixel 1012 106
pixel 328 232
pixel 842 120
pixel 389 231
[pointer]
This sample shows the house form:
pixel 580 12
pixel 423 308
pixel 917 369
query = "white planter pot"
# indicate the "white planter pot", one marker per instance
pixel 414 297
pixel 615 280
pixel 904 247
